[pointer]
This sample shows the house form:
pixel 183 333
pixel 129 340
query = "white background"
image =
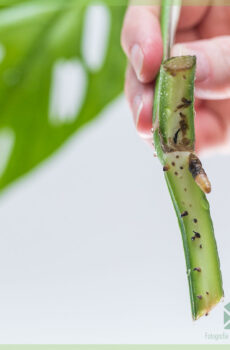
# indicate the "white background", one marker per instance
pixel 90 249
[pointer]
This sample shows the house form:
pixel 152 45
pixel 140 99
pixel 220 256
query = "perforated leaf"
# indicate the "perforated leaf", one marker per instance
pixel 58 69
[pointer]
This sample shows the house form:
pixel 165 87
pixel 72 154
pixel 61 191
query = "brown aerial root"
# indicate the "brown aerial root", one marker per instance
pixel 198 173
pixel 203 182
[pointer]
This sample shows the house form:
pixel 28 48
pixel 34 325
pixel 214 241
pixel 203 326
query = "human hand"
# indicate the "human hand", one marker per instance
pixel 203 31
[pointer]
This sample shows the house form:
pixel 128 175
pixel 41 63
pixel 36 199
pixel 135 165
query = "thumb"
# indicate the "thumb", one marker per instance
pixel 213 66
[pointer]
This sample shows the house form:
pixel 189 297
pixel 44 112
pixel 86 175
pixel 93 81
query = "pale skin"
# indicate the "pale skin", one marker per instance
pixel 203 31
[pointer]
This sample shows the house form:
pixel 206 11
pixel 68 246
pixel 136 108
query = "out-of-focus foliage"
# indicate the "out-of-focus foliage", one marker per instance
pixel 34 36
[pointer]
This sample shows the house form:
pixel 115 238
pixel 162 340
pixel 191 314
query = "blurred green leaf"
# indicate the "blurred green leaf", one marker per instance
pixel 36 39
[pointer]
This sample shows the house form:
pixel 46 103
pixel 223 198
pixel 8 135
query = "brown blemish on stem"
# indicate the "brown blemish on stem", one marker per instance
pixel 172 147
pixel 185 213
pixel 183 123
pixel 166 168
pixel 197 234
pixel 185 104
pixel 175 138
pixel 198 269
pixel 179 144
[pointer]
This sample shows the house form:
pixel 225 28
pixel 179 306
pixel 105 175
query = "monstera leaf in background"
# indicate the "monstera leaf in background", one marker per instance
pixel 54 77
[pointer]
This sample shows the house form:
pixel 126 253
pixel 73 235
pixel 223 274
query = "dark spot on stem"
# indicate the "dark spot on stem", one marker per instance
pixel 207 293
pixel 193 238
pixel 181 167
pixel 197 234
pixel 201 246
pixel 199 297
pixel 198 269
pixel 173 164
pixel 185 213
pixel 195 220
pixel 166 168
pixel 176 173
pixel 183 123
pixel 176 137
pixel 177 157
pixel 185 104
pixel 185 142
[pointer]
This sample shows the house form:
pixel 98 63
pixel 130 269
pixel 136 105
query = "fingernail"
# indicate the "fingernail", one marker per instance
pixel 137 108
pixel 137 59
pixel 202 63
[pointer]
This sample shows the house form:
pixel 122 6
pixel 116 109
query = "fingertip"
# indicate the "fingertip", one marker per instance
pixel 142 42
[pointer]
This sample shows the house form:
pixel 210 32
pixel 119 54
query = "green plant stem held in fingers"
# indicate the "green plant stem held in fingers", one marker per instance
pixel 174 139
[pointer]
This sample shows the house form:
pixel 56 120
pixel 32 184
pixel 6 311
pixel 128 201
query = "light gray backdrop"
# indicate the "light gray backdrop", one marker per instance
pixel 90 249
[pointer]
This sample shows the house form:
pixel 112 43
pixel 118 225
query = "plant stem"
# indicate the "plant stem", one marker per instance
pixel 174 140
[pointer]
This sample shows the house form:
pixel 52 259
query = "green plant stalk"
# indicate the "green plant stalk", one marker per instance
pixel 174 139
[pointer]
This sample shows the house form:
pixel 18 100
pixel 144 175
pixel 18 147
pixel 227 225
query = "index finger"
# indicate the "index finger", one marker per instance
pixel 142 42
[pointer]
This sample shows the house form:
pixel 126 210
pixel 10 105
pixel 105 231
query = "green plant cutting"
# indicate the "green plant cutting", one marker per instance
pixel 174 140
